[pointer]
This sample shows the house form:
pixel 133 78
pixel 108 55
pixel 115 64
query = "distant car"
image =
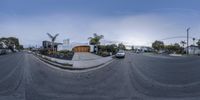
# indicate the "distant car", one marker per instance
pixel 29 52
pixel 138 51
pixel 120 54
pixel 15 50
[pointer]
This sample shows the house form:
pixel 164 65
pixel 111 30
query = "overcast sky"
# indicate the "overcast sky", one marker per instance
pixel 137 22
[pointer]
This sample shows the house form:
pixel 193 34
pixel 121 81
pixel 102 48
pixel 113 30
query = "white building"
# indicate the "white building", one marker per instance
pixel 194 50
pixel 76 47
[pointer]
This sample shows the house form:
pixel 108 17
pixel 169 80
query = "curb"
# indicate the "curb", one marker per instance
pixel 69 67
pixel 175 55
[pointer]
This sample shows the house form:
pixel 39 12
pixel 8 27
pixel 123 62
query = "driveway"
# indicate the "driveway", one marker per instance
pixel 85 56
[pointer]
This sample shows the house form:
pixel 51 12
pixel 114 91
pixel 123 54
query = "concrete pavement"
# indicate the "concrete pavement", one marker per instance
pixel 167 77
pixel 137 77
pixel 85 56
pixel 80 61
pixel 12 80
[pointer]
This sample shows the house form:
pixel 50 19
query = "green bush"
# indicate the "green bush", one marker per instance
pixel 68 55
pixel 104 54
pixel 108 49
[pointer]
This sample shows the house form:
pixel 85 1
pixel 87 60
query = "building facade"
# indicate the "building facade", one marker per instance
pixel 48 45
pixel 194 50
pixel 76 47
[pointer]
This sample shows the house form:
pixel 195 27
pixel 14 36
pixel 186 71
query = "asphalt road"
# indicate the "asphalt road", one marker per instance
pixel 137 77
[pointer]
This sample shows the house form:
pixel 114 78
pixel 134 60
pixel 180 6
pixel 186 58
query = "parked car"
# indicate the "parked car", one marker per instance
pixel 15 50
pixel 137 51
pixel 120 54
pixel 29 52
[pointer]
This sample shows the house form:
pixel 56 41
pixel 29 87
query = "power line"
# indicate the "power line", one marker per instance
pixel 175 37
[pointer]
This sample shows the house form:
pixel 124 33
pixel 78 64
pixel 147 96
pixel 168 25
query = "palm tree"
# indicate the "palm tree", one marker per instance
pixel 183 43
pixel 53 38
pixel 95 40
pixel 193 40
pixel 193 45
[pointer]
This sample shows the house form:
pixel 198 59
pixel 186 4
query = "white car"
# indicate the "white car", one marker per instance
pixel 120 54
pixel 29 51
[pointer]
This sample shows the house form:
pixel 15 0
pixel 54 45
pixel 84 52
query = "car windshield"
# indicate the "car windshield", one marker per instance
pixel 99 49
pixel 120 51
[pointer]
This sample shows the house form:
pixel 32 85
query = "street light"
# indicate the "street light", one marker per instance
pixel 188 29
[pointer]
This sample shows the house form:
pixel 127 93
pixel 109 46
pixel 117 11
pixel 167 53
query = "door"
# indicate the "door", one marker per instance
pixel 81 49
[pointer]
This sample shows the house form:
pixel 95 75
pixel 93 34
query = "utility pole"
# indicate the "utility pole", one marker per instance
pixel 188 29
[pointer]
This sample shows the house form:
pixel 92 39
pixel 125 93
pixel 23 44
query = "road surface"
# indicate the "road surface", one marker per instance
pixel 137 77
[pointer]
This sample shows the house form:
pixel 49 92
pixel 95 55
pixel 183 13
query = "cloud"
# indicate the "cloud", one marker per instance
pixel 143 29
pixel 32 30
pixel 137 29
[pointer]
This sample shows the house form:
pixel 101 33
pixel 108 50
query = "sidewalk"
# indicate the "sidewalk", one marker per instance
pixel 85 64
pixel 85 56
pixel 88 60
pixel 80 61
pixel 176 55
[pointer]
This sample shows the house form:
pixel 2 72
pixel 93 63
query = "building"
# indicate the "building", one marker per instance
pixel 76 47
pixel 143 49
pixel 47 45
pixel 193 50
pixel 146 49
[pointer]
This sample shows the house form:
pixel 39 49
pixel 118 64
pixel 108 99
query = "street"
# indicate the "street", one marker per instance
pixel 137 77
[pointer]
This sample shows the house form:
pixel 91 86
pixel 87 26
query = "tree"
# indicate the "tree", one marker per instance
pixel 108 48
pixel 183 43
pixel 21 47
pixel 178 48
pixel 158 45
pixel 11 43
pixel 53 39
pixel 5 41
pixel 132 48
pixel 174 48
pixel 121 46
pixel 112 48
pixel 95 40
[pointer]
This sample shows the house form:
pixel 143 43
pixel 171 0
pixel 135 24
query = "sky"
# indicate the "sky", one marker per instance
pixel 135 22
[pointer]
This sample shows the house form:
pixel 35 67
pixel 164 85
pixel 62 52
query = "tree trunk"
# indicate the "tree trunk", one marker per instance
pixel 53 46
